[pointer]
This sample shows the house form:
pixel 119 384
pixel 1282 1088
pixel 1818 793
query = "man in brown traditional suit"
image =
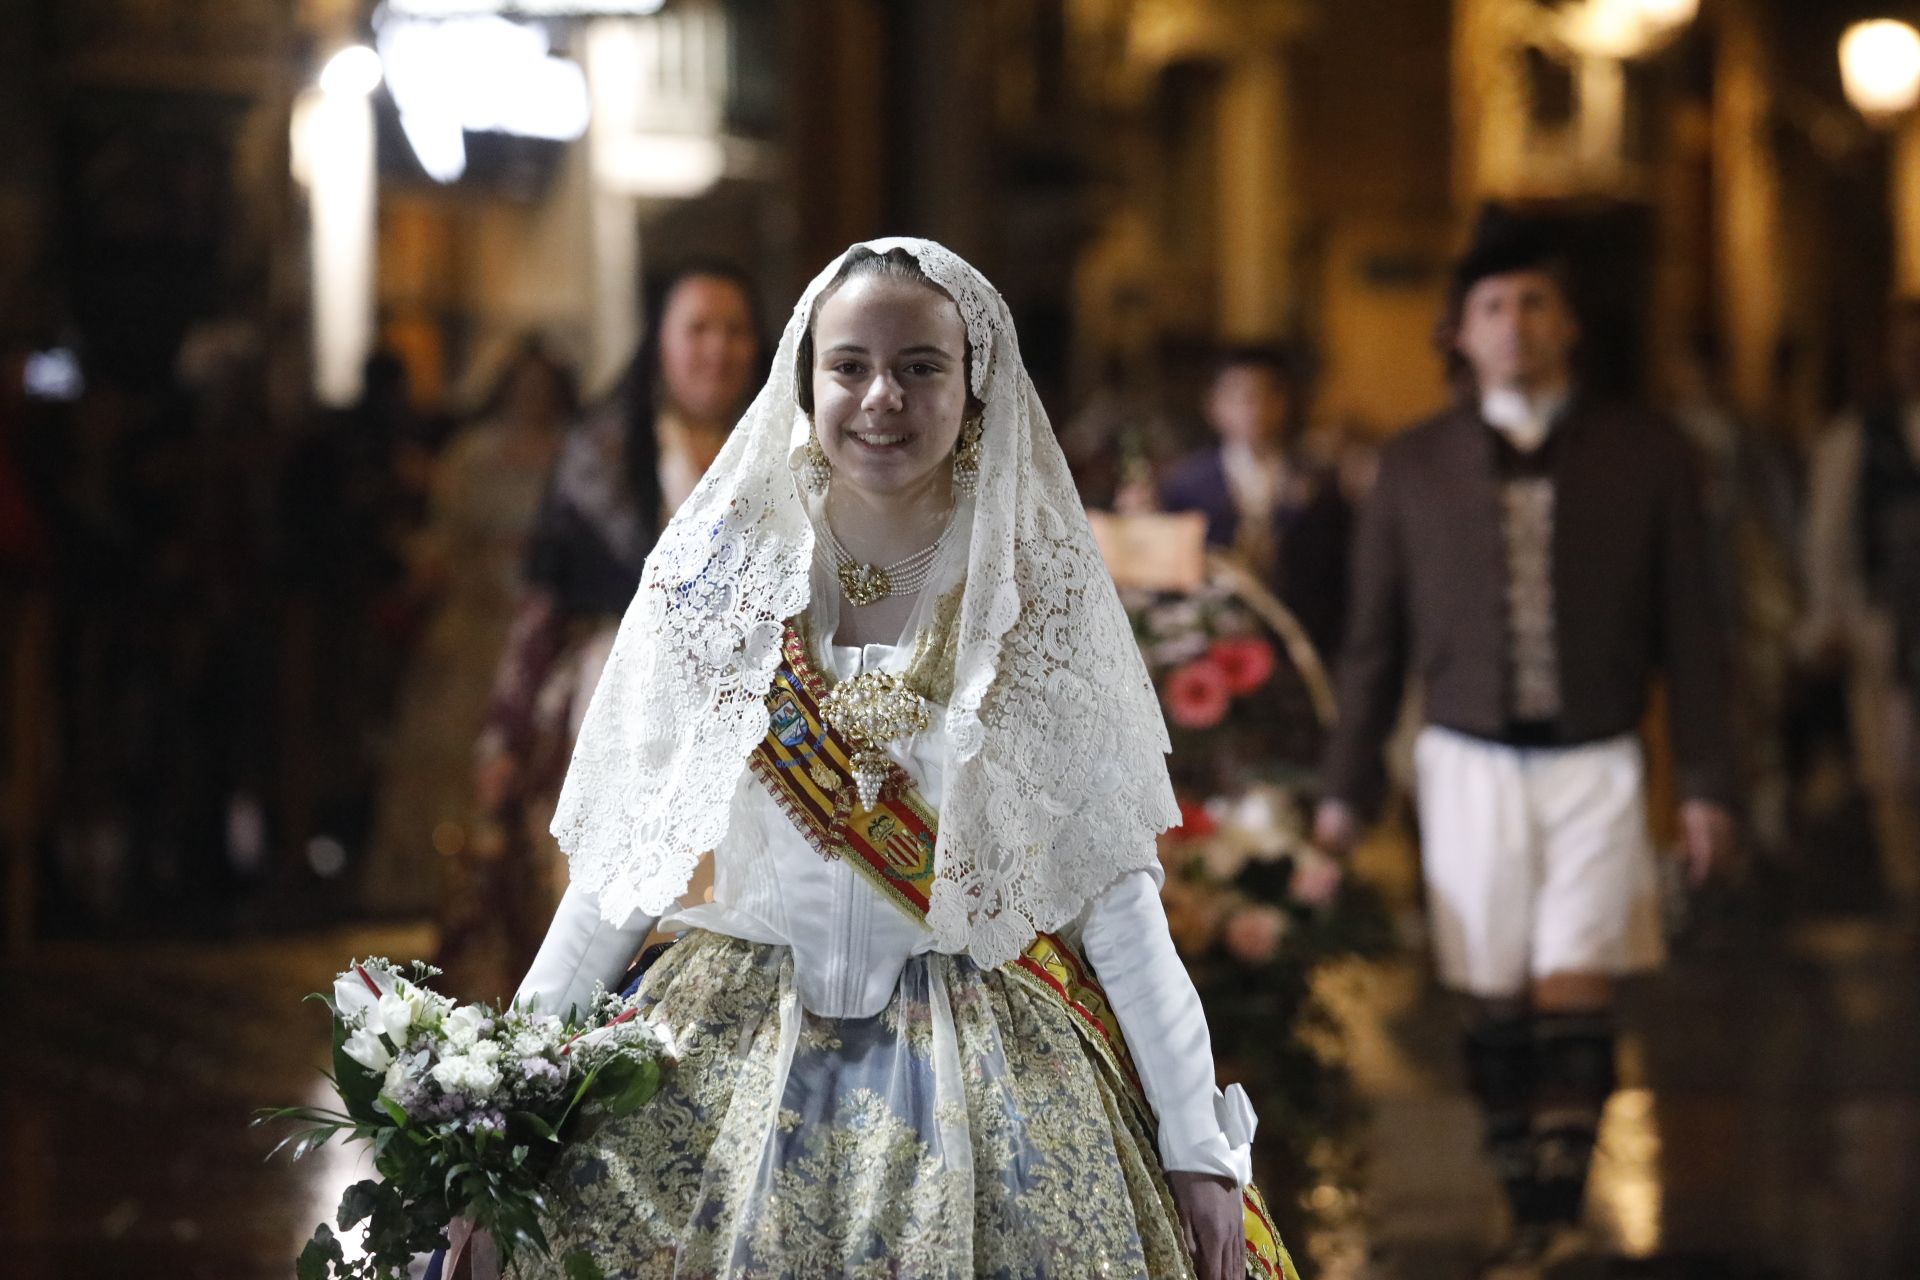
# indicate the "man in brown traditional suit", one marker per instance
pixel 1536 559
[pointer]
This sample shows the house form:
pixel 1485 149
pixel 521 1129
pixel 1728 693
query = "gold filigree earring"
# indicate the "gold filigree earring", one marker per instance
pixel 966 458
pixel 816 473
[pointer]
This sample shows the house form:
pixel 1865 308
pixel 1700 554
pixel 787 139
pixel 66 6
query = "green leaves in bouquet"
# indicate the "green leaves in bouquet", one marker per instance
pixel 619 1086
pixel 579 1266
pixel 358 1087
pixel 322 1258
pixel 433 1172
pixel 625 1086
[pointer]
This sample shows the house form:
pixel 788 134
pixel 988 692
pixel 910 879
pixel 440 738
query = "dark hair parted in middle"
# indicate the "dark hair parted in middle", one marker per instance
pixel 862 262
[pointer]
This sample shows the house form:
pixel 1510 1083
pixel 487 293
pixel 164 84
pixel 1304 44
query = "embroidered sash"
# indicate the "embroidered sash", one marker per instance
pixel 805 764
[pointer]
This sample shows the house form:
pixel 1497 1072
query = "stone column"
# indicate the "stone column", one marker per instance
pixel 1257 205
pixel 1747 204
pixel 1904 190
pixel 612 215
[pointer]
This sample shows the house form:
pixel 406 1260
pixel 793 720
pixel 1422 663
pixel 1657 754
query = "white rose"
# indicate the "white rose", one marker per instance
pixel 462 1026
pixel 366 1048
pixel 485 1051
pixel 396 1078
pixel 450 1073
pixel 482 1079
pixel 531 1044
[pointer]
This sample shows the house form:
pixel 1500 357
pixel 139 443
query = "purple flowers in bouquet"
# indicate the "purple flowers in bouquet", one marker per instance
pixel 467 1108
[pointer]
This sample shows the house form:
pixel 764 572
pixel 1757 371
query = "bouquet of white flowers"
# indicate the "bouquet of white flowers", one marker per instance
pixel 467 1108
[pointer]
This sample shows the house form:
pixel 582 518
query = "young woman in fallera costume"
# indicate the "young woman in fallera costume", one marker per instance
pixel 931 1023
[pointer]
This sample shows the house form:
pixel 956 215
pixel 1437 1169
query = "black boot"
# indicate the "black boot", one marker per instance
pixel 1574 1077
pixel 1500 1069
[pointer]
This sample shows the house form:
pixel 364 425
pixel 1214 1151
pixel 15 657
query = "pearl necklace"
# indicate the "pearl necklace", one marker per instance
pixel 870 583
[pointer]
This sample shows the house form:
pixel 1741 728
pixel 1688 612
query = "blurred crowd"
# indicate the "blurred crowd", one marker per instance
pixel 262 674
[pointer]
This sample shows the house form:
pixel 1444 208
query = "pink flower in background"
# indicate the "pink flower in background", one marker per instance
pixel 1246 661
pixel 1198 695
pixel 1253 934
pixel 1316 878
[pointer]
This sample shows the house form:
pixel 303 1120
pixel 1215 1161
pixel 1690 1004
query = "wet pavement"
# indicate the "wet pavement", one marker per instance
pixel 128 1073
pixel 1769 1123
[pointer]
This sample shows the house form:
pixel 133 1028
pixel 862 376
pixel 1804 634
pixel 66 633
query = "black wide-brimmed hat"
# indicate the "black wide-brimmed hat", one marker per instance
pixel 1506 240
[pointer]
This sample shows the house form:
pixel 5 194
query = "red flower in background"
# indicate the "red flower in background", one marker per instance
pixel 1195 822
pixel 1198 694
pixel 1246 661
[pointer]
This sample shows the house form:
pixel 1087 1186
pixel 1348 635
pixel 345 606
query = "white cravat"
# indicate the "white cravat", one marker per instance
pixel 1255 482
pixel 1524 420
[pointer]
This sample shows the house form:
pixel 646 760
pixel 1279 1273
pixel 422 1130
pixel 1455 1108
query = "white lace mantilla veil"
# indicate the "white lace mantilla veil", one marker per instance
pixel 1056 780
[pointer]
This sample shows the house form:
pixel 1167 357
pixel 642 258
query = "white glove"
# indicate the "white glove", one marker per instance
pixel 1126 941
pixel 581 949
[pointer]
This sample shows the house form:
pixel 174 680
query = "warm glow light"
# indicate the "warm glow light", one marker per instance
pixel 333 157
pixel 1624 28
pixel 525 8
pixel 479 75
pixel 1668 15
pixel 1625 1193
pixel 662 166
pixel 354 72
pixel 1880 67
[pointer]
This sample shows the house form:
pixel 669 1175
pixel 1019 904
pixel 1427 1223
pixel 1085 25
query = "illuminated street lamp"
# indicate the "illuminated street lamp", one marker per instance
pixel 354 72
pixel 333 158
pixel 1623 29
pixel 1663 16
pixel 1880 68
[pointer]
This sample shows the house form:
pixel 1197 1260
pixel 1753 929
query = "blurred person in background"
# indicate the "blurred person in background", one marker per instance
pixel 464 568
pixel 1862 571
pixel 346 512
pixel 24 546
pixel 211 785
pixel 619 477
pixel 1264 498
pixel 1534 557
pixel 26 562
pixel 1749 501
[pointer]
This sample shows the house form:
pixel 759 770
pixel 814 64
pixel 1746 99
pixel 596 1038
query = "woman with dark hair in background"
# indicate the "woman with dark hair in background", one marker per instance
pixel 464 567
pixel 620 476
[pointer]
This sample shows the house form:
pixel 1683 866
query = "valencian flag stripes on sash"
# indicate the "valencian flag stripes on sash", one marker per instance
pixel 806 765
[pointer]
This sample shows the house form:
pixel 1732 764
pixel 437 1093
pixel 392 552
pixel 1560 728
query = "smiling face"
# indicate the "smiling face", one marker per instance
pixel 889 385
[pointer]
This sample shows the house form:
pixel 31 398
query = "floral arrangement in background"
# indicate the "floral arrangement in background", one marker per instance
pixel 1237 710
pixel 1255 909
pixel 467 1108
pixel 1258 913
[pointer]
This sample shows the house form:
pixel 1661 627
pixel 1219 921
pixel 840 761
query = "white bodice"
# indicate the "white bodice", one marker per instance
pixel 849 942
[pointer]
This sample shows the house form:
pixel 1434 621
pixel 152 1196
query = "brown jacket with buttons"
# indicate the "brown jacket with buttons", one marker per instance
pixel 1633 596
